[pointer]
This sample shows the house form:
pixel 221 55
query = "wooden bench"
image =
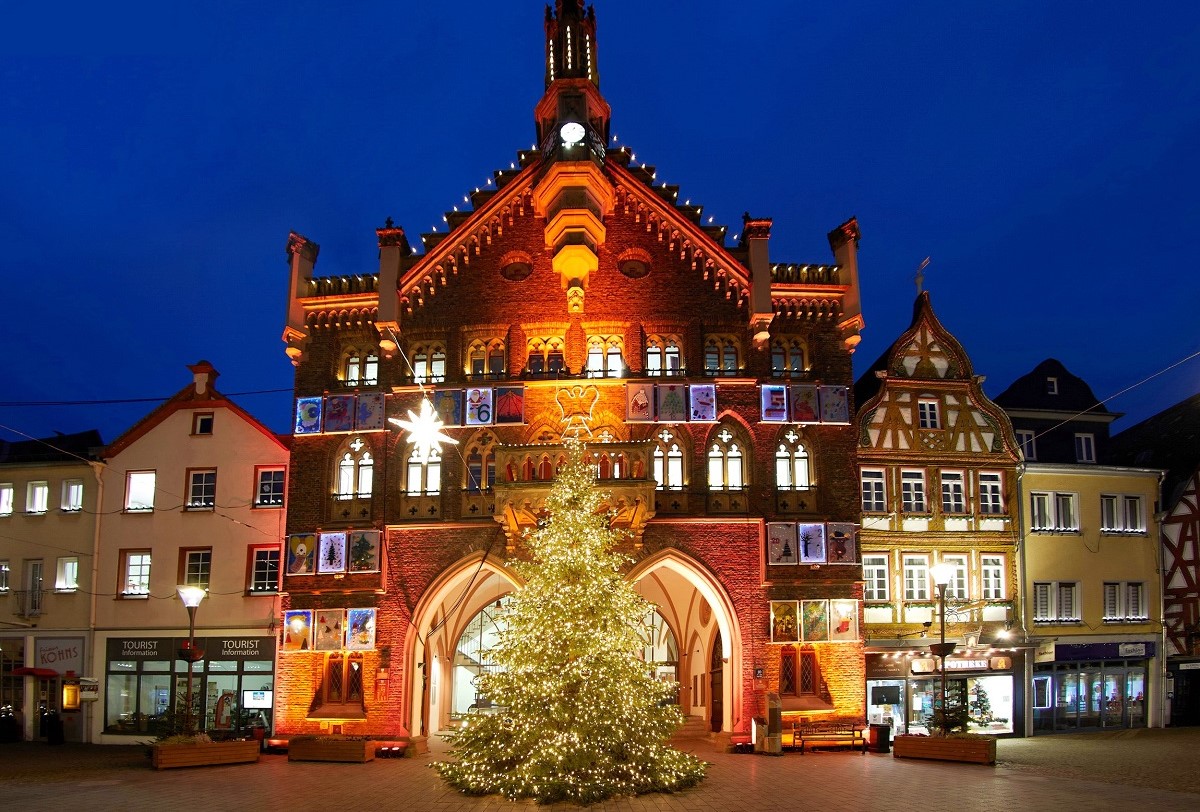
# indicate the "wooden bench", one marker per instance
pixel 828 734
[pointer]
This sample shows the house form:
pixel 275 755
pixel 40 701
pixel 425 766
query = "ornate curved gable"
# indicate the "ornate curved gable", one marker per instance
pixel 927 350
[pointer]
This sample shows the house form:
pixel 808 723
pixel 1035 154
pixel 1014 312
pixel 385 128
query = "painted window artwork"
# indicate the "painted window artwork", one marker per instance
pixel 329 629
pixel 479 407
pixel 774 404
pixel 843 621
pixel 448 403
pixel 805 404
pixel 360 629
pixel 704 402
pixel 835 404
pixel 510 404
pixel 302 554
pixel 812 543
pixel 297 630
pixel 815 617
pixel 332 554
pixel 308 416
pixel 840 543
pixel 364 550
pixel 672 403
pixel 781 543
pixel 785 626
pixel 369 412
pixel 639 402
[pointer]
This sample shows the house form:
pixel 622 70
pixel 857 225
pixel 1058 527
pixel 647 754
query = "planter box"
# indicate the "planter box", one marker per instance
pixel 167 756
pixel 974 750
pixel 353 750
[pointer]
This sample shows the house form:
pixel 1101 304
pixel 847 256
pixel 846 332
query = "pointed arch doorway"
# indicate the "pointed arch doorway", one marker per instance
pixel 716 685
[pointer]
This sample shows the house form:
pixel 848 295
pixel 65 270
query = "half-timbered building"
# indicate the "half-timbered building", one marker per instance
pixel 937 463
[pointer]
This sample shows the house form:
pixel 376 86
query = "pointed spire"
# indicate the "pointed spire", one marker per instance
pixel 571 42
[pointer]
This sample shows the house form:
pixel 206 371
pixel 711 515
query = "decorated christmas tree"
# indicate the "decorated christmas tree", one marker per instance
pixel 580 716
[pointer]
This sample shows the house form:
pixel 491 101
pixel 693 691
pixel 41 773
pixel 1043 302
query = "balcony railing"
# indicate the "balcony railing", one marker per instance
pixel 28 602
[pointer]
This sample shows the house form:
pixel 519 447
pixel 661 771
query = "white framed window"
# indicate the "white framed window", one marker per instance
pixel 991 493
pixel 1053 513
pixel 195 567
pixel 545 357
pixel 1056 602
pixel 6 499
pixel 604 358
pixel 916 577
pixel 135 573
pixel 66 578
pixel 956 587
pixel 927 414
pixel 202 423
pixel 202 490
pixel 721 356
pixel 429 364
pixel 875 577
pixel 355 471
pixel 726 462
pixel 424 472
pixel 1124 601
pixel 72 496
pixel 4 570
pixel 1027 441
pixel 792 464
pixel 1085 448
pixel 991 577
pixel 874 495
pixel 485 359
pixel 1121 513
pixel 954 498
pixel 668 462
pixel 264 568
pixel 270 488
pixel 139 491
pixel 1051 386
pixel 662 356
pixel 37 497
pixel 912 491
pixel 360 368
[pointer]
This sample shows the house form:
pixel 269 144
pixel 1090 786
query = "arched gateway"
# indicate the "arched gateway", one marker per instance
pixel 453 625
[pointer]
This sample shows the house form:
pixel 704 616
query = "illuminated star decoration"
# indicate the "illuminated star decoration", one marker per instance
pixel 424 429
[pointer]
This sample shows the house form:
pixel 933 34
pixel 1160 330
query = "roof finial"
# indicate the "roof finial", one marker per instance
pixel 920 277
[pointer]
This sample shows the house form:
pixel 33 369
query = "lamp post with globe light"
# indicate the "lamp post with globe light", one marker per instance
pixel 191 597
pixel 941 574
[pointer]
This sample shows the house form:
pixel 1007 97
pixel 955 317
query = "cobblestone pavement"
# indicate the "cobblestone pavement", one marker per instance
pixel 1152 769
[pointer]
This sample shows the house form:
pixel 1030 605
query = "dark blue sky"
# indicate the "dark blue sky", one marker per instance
pixel 153 161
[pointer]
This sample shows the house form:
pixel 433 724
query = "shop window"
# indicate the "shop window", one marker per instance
pixel 139 492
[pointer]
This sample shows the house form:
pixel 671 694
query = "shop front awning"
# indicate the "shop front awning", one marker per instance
pixel 30 671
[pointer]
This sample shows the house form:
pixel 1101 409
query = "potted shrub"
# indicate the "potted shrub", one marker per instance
pixel 331 748
pixel 951 742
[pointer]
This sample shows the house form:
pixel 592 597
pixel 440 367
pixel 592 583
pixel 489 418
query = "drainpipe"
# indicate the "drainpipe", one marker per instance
pixel 1028 720
pixel 98 473
pixel 1158 516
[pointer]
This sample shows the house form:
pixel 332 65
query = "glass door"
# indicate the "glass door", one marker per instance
pixel 1135 697
pixel 1066 709
pixel 1113 698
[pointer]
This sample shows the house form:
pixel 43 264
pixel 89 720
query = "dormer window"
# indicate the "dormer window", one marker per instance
pixel 1052 386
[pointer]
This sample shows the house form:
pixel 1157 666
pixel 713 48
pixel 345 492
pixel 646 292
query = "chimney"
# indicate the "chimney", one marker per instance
pixel 203 377
pixel 393 247
pixel 756 232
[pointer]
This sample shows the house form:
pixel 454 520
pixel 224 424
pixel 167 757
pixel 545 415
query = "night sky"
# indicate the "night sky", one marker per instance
pixel 152 162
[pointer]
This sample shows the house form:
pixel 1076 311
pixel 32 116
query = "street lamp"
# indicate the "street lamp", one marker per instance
pixel 191 597
pixel 941 574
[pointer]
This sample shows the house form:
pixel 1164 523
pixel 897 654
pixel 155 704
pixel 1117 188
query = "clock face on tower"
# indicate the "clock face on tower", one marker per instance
pixel 571 132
